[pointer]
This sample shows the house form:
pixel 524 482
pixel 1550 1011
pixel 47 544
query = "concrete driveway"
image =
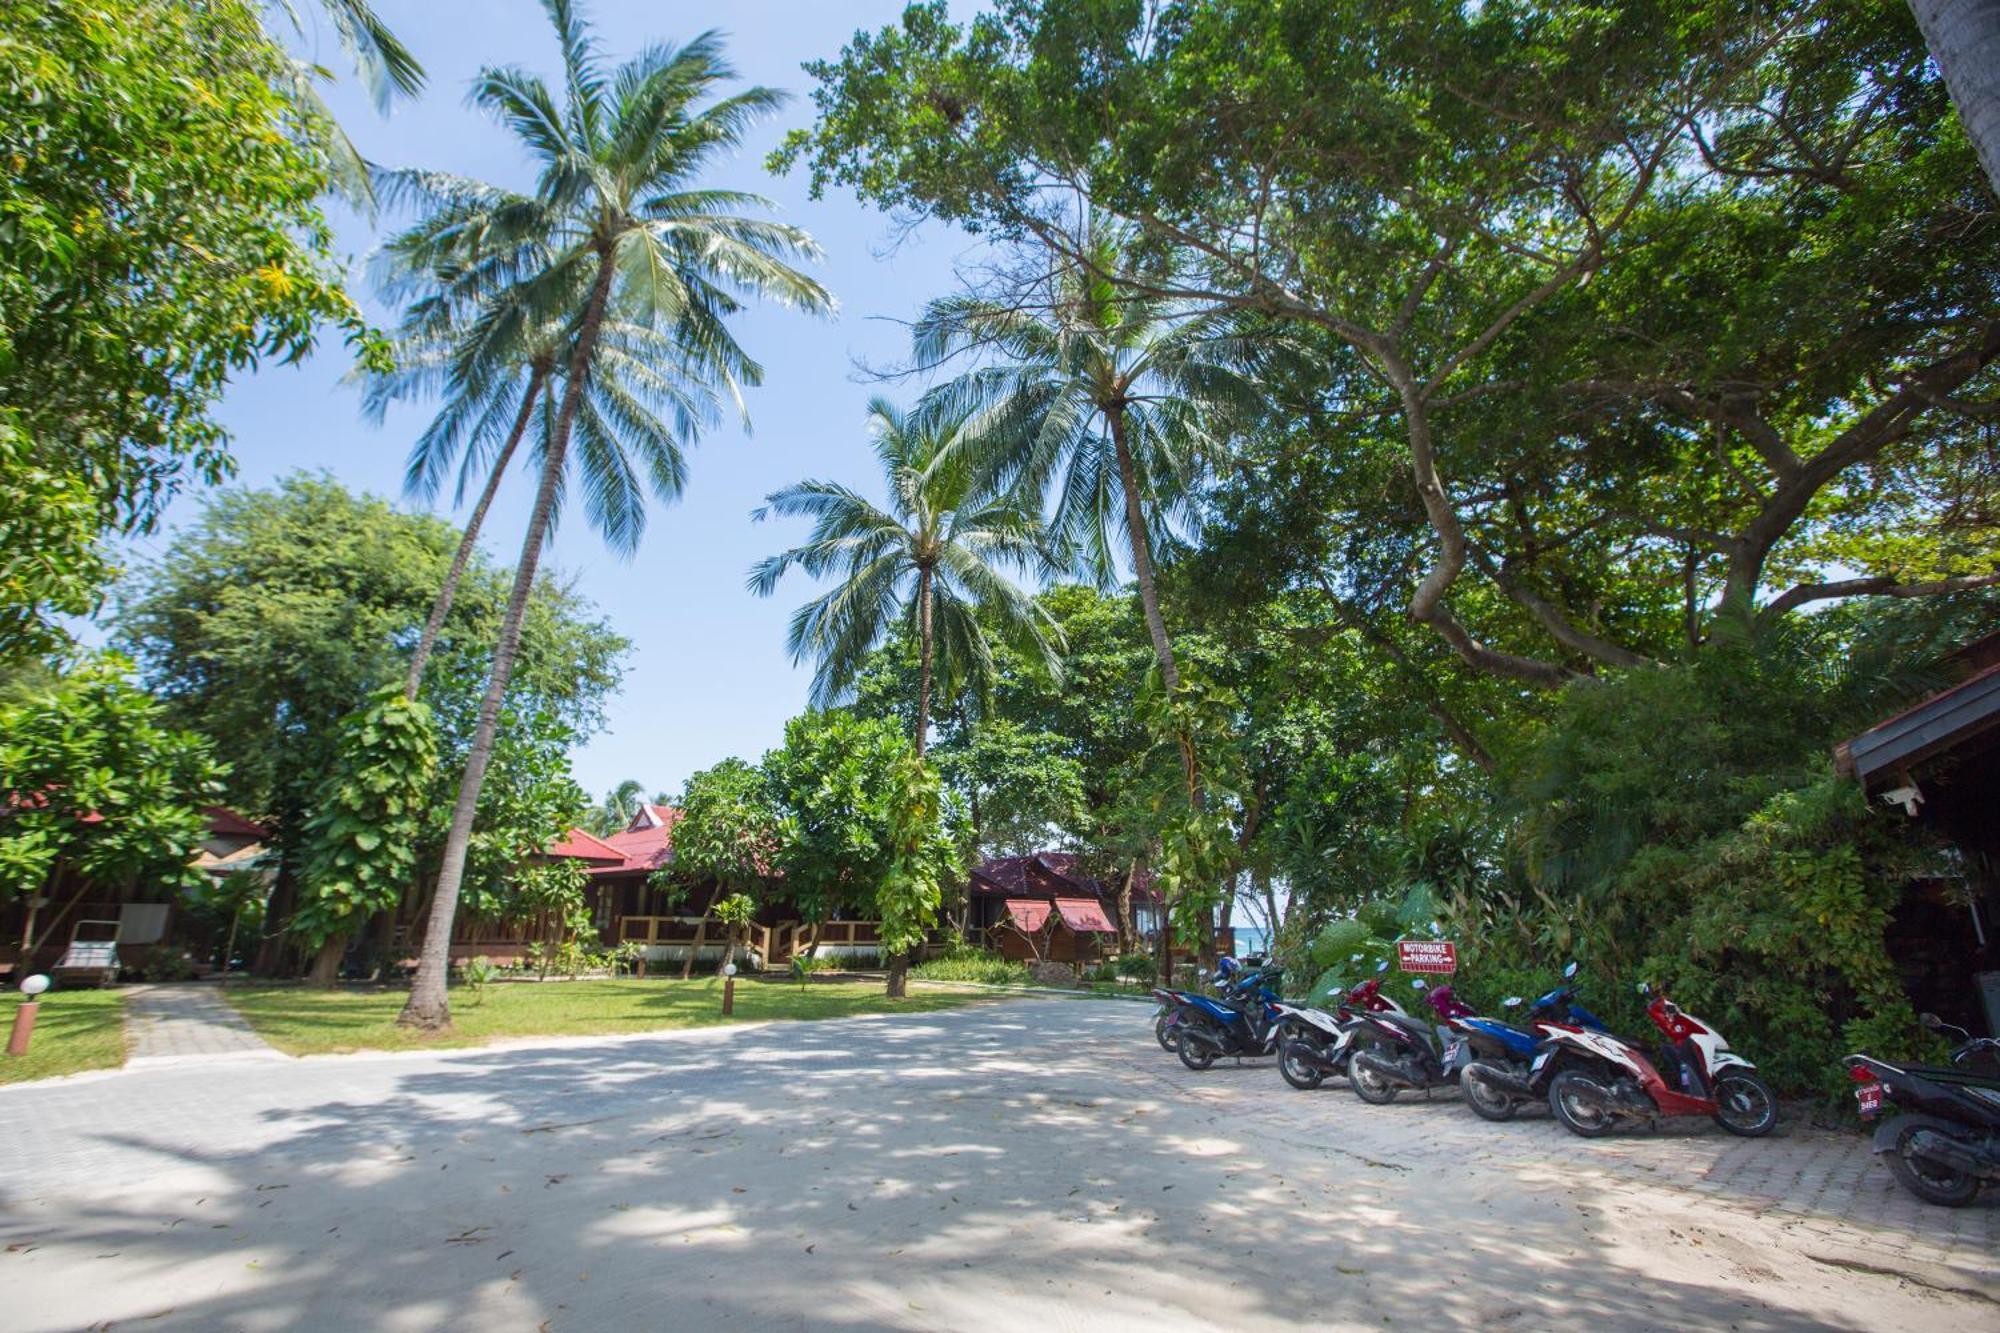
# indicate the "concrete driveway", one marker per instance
pixel 1032 1164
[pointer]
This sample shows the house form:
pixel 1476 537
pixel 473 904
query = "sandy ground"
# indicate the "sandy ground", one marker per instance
pixel 1028 1165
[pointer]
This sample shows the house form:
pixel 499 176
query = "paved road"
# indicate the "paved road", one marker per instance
pixel 1021 1165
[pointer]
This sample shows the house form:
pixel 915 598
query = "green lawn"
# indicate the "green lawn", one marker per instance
pixel 75 1030
pixel 314 1022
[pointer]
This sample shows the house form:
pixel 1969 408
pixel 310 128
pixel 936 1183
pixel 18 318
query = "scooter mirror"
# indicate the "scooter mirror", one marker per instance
pixel 1570 971
pixel 1512 1002
pixel 1416 983
pixel 1382 966
pixel 1931 1021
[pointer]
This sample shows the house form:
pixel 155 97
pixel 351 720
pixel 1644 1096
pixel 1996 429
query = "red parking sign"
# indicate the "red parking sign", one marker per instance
pixel 1427 956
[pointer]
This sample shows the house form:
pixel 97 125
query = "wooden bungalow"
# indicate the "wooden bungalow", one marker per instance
pixel 34 929
pixel 627 904
pixel 1043 905
pixel 1938 761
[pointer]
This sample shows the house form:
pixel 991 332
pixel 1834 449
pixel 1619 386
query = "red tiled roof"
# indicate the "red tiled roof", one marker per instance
pixel 228 824
pixel 1048 874
pixel 1084 914
pixel 578 845
pixel 1030 914
pixel 642 849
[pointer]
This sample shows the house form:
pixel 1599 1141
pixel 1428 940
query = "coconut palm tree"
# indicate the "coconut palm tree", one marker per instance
pixel 387 70
pixel 934 559
pixel 616 232
pixel 497 364
pixel 1111 400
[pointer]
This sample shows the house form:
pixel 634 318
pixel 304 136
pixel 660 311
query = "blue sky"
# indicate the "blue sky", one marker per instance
pixel 708 675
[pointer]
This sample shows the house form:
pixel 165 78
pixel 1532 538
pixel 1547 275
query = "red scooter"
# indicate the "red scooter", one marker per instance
pixel 1606 1079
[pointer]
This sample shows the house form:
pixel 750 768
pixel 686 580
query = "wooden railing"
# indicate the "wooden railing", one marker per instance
pixel 775 945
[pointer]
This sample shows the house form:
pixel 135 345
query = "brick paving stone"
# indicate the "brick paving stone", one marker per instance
pixel 188 1020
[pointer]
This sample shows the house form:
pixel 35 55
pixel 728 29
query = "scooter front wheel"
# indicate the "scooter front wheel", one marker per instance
pixel 1745 1105
pixel 1577 1100
pixel 1296 1064
pixel 1196 1055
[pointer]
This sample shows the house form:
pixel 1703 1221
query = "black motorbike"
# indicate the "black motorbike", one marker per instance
pixel 1945 1142
pixel 1404 1051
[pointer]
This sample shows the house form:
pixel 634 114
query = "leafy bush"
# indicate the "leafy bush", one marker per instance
pixel 158 962
pixel 979 965
pixel 478 971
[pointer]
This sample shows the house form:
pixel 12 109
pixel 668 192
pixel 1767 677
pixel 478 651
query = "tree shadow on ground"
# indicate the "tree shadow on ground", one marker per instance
pixel 967 1168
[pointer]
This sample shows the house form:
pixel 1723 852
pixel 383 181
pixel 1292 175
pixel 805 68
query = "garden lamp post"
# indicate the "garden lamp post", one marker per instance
pixel 728 989
pixel 24 1014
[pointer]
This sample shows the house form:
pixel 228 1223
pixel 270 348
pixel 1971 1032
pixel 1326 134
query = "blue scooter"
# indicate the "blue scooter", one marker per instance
pixel 1504 1065
pixel 1247 1025
pixel 1231 981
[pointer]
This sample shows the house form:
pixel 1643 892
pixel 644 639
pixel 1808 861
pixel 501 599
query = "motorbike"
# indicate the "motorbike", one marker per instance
pixel 1603 1079
pixel 1944 1143
pixel 1403 1051
pixel 1315 1044
pixel 1509 1064
pixel 1243 1026
pixel 1230 979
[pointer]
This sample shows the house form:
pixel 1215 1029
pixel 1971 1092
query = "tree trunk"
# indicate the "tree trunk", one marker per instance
pixel 1142 556
pixel 429 1008
pixel 923 657
pixel 441 607
pixel 899 975
pixel 326 963
pixel 700 933
pixel 1964 38
pixel 229 948
pixel 35 900
pixel 1262 879
pixel 1125 931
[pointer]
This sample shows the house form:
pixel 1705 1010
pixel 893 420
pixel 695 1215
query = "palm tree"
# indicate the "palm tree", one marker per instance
pixel 933 560
pixel 387 69
pixel 616 232
pixel 1112 399
pixel 495 362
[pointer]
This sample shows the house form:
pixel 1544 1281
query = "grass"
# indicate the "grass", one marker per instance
pixel 75 1030
pixel 317 1022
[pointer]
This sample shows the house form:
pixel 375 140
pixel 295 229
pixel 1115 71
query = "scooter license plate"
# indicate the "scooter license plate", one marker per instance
pixel 1870 1097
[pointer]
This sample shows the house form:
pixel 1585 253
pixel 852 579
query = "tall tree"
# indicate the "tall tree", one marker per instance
pixel 616 224
pixel 865 826
pixel 1114 401
pixel 1964 38
pixel 934 560
pixel 277 612
pixel 497 359
pixel 161 235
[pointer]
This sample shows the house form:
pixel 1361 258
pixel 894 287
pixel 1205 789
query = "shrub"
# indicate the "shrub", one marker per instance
pixel 970 964
pixel 158 962
pixel 478 971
